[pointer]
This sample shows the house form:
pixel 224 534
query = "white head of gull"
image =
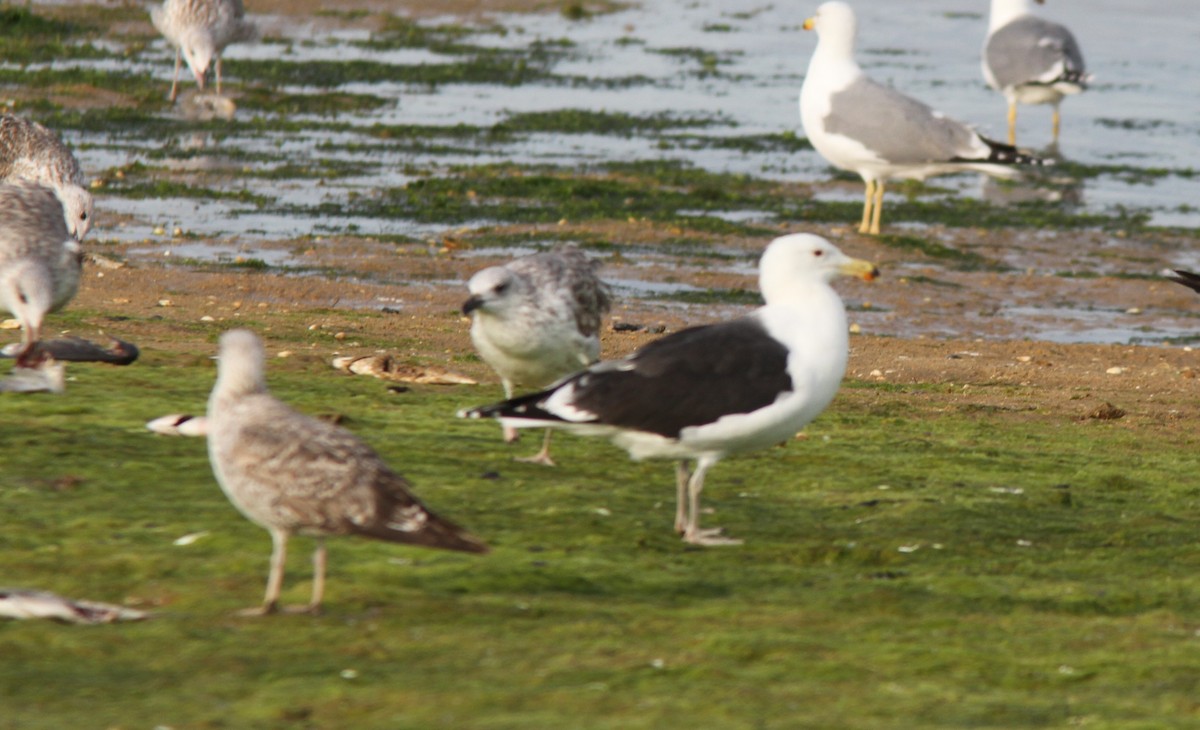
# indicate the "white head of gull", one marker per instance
pixel 706 392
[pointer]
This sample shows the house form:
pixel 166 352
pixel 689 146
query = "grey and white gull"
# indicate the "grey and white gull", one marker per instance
pixel 40 261
pixel 293 474
pixel 30 151
pixel 1031 60
pixel 706 392
pixel 200 30
pixel 860 125
pixel 536 319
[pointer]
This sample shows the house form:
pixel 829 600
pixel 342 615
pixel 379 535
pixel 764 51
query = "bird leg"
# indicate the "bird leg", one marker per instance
pixel 318 587
pixel 865 227
pixel 1012 123
pixel 175 78
pixel 1054 123
pixel 681 484
pixel 270 602
pixel 542 457
pixel 878 212
pixel 693 535
pixel 218 71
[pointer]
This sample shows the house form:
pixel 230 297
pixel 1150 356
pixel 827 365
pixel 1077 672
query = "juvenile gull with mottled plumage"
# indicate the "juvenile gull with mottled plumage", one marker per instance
pixel 200 30
pixel 293 474
pixel 861 125
pixel 40 261
pixel 536 319
pixel 1030 60
pixel 29 151
pixel 706 392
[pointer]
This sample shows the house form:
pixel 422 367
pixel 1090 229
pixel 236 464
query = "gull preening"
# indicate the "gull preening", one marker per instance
pixel 293 474
pixel 40 261
pixel 1030 60
pixel 706 392
pixel 860 125
pixel 536 319
pixel 30 151
pixel 200 30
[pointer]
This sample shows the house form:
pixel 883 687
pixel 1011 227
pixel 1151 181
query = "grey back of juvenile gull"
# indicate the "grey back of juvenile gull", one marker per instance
pixel 200 30
pixel 40 261
pixel 30 151
pixel 536 319
pixel 706 392
pixel 858 124
pixel 293 474
pixel 1030 60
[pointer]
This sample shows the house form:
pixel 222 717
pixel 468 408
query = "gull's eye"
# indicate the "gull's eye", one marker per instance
pixel 83 216
pixel 818 252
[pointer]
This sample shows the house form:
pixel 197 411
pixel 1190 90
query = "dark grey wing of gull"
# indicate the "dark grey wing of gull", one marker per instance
pixel 317 478
pixel 690 378
pixel 1029 49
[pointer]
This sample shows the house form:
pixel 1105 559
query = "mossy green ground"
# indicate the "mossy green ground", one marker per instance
pixel 906 565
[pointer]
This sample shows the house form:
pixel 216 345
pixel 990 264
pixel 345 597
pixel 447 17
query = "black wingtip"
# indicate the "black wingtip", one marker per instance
pixel 1187 278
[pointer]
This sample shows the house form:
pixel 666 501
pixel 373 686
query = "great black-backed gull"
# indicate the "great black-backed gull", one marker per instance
pixel 1187 278
pixel 861 125
pixel 40 261
pixel 200 30
pixel 1030 60
pixel 29 151
pixel 293 474
pixel 706 392
pixel 536 319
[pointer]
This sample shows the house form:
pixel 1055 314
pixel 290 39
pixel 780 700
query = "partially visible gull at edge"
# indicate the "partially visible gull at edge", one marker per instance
pixel 536 319
pixel 30 151
pixel 860 125
pixel 200 30
pixel 40 263
pixel 293 474
pixel 1030 60
pixel 706 392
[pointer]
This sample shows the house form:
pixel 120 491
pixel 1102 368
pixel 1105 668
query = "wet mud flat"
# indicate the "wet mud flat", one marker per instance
pixel 391 149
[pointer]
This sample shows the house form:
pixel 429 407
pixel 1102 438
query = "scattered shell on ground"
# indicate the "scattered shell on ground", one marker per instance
pixel 10 324
pixel 206 106
pixel 387 368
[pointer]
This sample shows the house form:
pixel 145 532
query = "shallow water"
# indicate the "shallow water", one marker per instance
pixel 737 67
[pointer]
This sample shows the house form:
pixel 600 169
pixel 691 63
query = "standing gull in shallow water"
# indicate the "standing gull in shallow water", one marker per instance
pixel 200 30
pixel 537 319
pixel 1030 60
pixel 294 474
pixel 29 151
pixel 706 392
pixel 860 125
pixel 40 262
